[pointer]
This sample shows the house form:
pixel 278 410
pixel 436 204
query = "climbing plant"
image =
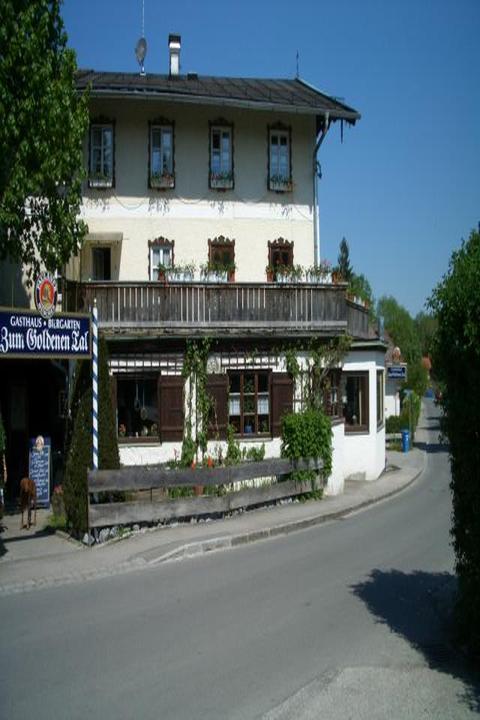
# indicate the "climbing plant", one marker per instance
pixel 199 406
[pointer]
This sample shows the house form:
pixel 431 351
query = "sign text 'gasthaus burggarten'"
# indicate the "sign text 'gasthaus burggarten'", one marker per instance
pixel 25 333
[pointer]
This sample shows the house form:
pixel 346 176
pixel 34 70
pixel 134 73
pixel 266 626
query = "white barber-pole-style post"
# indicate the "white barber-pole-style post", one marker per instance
pixel 95 385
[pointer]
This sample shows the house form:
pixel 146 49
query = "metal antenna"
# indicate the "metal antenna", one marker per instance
pixel 298 72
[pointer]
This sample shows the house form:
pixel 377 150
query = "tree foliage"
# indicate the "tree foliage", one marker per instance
pixel 426 327
pixel 344 267
pixel 43 123
pixel 456 303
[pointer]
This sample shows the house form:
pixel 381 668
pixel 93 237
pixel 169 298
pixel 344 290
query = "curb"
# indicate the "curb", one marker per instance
pixel 200 547
pixel 226 542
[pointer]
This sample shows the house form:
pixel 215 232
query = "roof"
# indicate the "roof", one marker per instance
pixel 282 95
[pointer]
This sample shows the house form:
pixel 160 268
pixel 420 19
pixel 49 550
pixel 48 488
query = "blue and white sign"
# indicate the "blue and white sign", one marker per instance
pixel 397 372
pixel 25 333
pixel 39 468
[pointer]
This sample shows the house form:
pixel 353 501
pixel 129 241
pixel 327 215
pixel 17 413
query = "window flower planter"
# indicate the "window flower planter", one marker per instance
pixel 221 182
pixel 278 184
pixel 162 182
pixel 215 277
pixel 100 182
pixel 182 277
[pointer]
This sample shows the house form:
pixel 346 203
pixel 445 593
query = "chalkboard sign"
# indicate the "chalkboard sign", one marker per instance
pixel 39 468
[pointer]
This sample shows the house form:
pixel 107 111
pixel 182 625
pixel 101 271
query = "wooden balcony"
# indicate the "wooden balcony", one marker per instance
pixel 218 309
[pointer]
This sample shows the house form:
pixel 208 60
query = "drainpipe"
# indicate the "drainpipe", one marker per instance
pixel 316 176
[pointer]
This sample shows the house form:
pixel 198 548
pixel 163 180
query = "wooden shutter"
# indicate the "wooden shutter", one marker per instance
pixel 282 400
pixel 113 395
pixel 217 388
pixel 171 407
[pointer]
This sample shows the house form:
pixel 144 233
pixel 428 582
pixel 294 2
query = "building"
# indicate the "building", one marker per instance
pixel 201 202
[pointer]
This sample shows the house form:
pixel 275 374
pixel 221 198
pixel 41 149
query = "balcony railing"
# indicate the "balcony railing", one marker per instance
pixel 218 309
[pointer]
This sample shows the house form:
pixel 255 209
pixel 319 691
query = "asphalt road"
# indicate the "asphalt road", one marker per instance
pixel 346 620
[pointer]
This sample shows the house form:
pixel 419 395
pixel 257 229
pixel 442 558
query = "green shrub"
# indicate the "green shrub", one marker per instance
pixel 234 454
pixel 308 435
pixel 394 424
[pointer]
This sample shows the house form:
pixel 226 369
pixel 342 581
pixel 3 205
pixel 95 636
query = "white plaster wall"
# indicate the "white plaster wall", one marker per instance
pixel 364 453
pixel 392 398
pixel 191 213
pixel 336 481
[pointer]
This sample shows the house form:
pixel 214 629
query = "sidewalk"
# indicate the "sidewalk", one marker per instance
pixel 33 559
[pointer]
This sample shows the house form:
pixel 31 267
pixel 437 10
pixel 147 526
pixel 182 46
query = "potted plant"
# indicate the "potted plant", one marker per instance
pixel 289 273
pixel 320 273
pixel 163 270
pixel 162 180
pixel 221 180
pixel 100 180
pixel 270 271
pixel 280 183
pixel 218 271
pixel 182 273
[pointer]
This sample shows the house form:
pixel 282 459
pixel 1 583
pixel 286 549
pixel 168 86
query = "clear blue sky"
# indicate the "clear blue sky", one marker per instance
pixel 404 187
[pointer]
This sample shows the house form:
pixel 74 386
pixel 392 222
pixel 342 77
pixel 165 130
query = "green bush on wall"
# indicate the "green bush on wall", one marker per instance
pixel 308 435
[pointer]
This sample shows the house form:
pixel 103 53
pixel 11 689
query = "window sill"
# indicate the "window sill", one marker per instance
pixel 356 430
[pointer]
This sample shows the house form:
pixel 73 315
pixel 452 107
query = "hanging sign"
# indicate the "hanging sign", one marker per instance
pixel 397 372
pixel 25 333
pixel 39 468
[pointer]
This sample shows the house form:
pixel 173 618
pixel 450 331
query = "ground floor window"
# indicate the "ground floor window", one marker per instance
pixel 249 402
pixel 355 401
pixel 380 397
pixel 137 404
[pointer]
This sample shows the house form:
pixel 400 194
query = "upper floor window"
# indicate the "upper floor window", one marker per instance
pixel 161 156
pixel 101 173
pixel 161 257
pixel 221 257
pixel 101 263
pixel 279 158
pixel 280 259
pixel 221 156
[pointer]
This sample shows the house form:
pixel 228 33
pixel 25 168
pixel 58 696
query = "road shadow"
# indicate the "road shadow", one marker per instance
pixel 419 606
pixel 432 448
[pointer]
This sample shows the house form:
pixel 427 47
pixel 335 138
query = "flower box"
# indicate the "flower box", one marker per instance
pixel 217 182
pixel 162 182
pixel 280 185
pixel 215 277
pixel 181 277
pixel 100 182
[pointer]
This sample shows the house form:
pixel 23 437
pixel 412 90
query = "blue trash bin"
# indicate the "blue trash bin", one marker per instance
pixel 405 440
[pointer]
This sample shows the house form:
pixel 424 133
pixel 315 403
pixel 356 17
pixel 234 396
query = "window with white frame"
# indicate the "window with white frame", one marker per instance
pixel 161 156
pixel 279 159
pixel 355 401
pixel 161 257
pixel 249 402
pixel 380 397
pixel 101 155
pixel 221 156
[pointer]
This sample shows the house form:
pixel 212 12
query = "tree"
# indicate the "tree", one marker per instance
pixel 3 461
pixel 79 454
pixel 344 267
pixel 43 124
pixel 400 326
pixel 456 302
pixel 426 326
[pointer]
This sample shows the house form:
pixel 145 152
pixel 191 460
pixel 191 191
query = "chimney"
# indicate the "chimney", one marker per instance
pixel 174 44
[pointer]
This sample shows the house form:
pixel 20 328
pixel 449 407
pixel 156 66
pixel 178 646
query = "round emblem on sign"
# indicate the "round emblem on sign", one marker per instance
pixel 46 295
